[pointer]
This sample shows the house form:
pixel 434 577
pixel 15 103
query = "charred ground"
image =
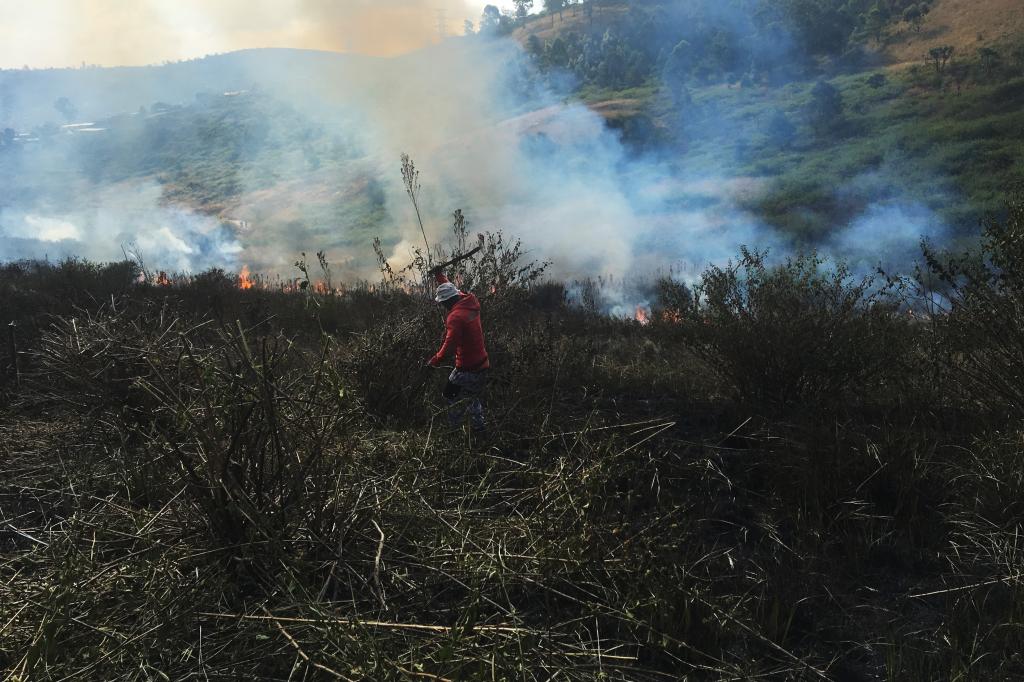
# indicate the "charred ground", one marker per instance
pixel 789 476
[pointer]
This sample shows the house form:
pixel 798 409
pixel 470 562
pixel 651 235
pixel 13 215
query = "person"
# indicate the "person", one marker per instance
pixel 464 335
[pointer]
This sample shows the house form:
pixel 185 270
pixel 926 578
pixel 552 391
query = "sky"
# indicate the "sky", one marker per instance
pixel 60 33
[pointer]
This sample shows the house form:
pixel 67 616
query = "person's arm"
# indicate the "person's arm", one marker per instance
pixel 451 340
pixel 439 277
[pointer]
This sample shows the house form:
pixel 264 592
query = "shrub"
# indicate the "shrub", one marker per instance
pixel 779 130
pixel 244 423
pixel 795 334
pixel 983 332
pixel 825 109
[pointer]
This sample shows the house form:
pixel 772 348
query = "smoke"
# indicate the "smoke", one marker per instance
pixel 488 134
pixel 128 218
pixel 520 158
pixel 888 236
pixel 59 33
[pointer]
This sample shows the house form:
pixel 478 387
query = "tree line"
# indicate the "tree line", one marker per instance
pixel 705 41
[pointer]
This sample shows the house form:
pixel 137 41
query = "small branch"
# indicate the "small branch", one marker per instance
pixel 962 588
pixel 376 566
pixel 305 657
pixel 422 627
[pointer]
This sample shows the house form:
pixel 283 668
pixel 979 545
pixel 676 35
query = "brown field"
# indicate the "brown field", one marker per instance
pixel 964 24
pixel 547 27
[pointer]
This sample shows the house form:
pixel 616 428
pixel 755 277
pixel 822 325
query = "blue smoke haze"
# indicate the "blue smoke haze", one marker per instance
pixel 513 154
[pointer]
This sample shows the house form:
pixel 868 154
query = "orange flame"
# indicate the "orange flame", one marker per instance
pixel 162 280
pixel 672 317
pixel 641 315
pixel 244 278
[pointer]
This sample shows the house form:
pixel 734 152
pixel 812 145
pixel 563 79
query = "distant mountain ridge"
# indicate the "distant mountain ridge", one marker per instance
pixel 28 97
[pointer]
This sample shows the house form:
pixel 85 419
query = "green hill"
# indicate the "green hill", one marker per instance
pixel 746 116
pixel 899 125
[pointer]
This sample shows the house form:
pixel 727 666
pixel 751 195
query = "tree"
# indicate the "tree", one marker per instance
pixel 523 7
pixel 779 130
pixel 534 45
pixel 877 80
pixel 552 6
pixel 875 22
pixel 507 23
pixel 914 15
pixel 467 27
pixel 490 20
pixel 825 110
pixel 558 52
pixel 7 137
pixel 991 60
pixel 720 54
pixel 1018 57
pixel 679 64
pixel 66 108
pixel 940 56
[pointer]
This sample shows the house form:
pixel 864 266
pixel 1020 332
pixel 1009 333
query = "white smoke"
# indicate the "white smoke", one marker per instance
pixel 128 217
pixel 488 137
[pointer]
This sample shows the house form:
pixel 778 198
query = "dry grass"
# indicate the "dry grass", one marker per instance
pixel 549 27
pixel 188 498
pixel 964 24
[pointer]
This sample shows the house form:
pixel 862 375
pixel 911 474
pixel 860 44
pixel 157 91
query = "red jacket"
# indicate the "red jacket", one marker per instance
pixel 464 334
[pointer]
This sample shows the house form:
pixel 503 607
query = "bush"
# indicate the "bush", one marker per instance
pixel 825 110
pixel 795 334
pixel 243 422
pixel 982 333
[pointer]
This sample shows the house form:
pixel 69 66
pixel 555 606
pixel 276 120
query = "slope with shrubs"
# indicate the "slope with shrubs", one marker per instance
pixel 737 92
pixel 790 474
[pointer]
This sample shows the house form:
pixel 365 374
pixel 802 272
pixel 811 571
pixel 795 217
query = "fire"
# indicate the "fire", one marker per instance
pixel 162 280
pixel 244 278
pixel 672 317
pixel 642 315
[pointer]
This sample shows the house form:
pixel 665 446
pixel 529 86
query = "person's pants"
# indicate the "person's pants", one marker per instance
pixel 463 392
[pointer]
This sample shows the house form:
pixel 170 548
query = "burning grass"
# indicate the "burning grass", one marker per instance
pixel 201 480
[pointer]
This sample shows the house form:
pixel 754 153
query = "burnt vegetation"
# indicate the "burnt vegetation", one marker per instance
pixel 787 473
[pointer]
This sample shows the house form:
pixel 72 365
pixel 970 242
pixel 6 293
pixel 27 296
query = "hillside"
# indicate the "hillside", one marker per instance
pixel 596 19
pixel 898 139
pixel 28 96
pixel 276 152
pixel 965 24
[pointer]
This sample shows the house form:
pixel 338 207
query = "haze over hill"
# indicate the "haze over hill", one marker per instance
pixel 64 33
pixel 253 156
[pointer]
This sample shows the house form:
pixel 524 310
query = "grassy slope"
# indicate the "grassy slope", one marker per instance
pixel 965 24
pixel 956 153
pixel 548 26
pixel 221 158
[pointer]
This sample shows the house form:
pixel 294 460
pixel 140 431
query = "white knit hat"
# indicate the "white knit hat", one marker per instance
pixel 446 291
